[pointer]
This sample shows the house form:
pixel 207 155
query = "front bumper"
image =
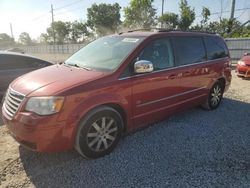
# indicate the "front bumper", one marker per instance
pixel 40 133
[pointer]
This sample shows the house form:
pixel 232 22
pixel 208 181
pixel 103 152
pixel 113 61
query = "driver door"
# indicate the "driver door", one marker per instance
pixel 155 94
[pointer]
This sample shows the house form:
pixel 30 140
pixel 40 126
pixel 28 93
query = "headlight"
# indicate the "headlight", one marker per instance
pixel 242 63
pixel 44 105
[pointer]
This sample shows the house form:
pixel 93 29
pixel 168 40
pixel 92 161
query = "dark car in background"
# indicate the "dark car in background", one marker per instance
pixel 13 65
pixel 19 50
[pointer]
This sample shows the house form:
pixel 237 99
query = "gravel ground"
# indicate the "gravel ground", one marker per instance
pixel 195 148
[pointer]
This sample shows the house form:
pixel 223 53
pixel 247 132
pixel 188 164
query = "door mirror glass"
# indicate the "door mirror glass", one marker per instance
pixel 143 66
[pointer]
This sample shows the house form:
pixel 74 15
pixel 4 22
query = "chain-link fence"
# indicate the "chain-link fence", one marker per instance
pixel 53 49
pixel 237 47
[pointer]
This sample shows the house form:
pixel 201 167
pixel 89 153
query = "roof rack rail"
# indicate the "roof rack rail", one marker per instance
pixel 139 29
pixel 166 30
pixel 143 29
pixel 200 31
pixel 189 30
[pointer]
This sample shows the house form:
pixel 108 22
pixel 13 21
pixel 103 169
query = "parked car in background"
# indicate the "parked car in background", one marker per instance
pixel 243 66
pixel 13 65
pixel 15 49
pixel 114 85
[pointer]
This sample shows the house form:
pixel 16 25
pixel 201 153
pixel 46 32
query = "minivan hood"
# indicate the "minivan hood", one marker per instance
pixel 53 79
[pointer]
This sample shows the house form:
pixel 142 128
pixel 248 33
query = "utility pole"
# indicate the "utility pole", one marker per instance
pixel 11 31
pixel 231 20
pixel 232 10
pixel 162 7
pixel 162 10
pixel 53 30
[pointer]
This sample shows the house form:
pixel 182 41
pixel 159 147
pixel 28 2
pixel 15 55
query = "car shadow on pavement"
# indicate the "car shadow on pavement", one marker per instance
pixel 192 148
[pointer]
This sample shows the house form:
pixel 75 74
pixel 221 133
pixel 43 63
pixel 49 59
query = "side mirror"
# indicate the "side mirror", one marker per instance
pixel 143 66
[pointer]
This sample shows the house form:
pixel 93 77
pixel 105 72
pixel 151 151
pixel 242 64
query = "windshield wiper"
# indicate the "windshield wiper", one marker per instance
pixel 86 68
pixel 76 65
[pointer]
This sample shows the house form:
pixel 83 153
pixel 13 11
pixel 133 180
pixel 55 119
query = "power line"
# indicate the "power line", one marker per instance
pixel 227 11
pixel 67 5
pixel 241 14
pixel 63 12
pixel 39 17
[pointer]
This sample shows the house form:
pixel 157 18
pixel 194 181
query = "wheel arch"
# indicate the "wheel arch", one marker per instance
pixel 222 80
pixel 114 105
pixel 120 110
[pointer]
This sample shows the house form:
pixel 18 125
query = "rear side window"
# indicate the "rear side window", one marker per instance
pixel 189 50
pixel 216 48
pixel 8 62
pixel 35 63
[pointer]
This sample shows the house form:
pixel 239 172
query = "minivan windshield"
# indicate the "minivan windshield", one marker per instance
pixel 104 54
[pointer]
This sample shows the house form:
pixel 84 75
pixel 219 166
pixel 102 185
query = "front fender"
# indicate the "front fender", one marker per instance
pixel 100 99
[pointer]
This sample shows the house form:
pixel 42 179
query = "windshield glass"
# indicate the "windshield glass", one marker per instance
pixel 104 54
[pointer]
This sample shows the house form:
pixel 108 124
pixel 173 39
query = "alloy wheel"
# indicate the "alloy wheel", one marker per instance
pixel 102 133
pixel 216 95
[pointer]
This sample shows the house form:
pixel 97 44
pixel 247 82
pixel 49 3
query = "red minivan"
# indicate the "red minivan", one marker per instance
pixel 114 85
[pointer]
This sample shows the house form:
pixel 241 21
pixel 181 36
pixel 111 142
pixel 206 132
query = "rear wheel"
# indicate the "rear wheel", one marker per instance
pixel 99 132
pixel 215 96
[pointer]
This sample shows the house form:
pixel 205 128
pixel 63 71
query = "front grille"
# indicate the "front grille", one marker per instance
pixel 241 72
pixel 12 102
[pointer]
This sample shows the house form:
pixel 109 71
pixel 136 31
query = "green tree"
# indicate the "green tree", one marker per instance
pixel 78 31
pixel 169 20
pixel 203 25
pixel 187 15
pixel 104 18
pixel 24 38
pixel 139 14
pixel 245 31
pixel 61 31
pixel 221 27
pixel 205 15
pixel 6 40
pixel 46 39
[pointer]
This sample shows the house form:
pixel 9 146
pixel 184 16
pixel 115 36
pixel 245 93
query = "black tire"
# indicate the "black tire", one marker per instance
pixel 214 97
pixel 99 132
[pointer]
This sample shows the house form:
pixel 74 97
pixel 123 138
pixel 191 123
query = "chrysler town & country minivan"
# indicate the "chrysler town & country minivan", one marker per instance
pixel 114 85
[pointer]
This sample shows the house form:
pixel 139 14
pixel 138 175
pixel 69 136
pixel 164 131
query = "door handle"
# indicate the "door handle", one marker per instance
pixel 172 76
pixel 186 73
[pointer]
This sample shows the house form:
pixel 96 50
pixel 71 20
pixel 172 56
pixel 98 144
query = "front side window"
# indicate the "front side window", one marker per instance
pixel 105 54
pixel 189 50
pixel 216 48
pixel 159 52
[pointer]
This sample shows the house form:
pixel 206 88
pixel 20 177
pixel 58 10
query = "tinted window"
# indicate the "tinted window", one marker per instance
pixel 160 53
pixel 19 62
pixel 216 48
pixel 35 63
pixel 189 50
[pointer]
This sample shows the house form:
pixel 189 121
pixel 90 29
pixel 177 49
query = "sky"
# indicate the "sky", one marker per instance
pixel 34 16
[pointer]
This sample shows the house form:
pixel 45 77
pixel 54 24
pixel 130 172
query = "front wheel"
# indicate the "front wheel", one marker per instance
pixel 215 96
pixel 99 132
